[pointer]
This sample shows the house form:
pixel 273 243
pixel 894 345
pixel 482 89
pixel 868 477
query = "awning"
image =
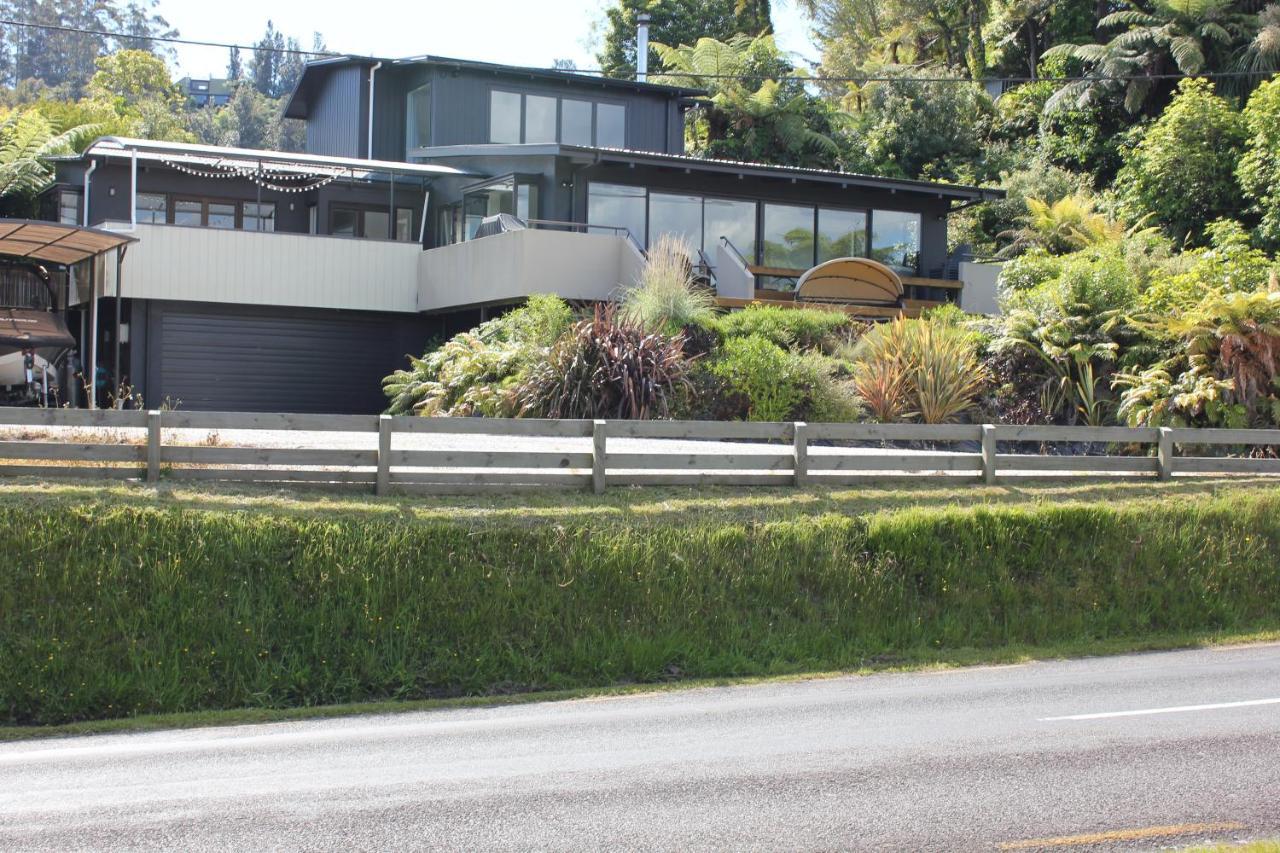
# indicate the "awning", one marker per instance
pixel 56 243
pixel 22 328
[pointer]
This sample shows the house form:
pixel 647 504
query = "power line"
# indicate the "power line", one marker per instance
pixel 166 39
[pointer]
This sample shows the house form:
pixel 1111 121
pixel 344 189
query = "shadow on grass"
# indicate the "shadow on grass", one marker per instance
pixel 628 505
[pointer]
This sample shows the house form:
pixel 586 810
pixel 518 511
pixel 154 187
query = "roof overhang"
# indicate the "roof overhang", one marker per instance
pixel 55 243
pixel 253 159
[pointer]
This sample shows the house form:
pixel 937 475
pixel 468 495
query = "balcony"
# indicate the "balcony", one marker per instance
pixel 515 264
pixel 171 262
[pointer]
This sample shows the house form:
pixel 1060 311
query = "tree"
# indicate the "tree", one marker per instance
pixel 748 113
pixel 1187 35
pixel 27 141
pixel 129 77
pixel 675 22
pixel 915 127
pixel 1259 169
pixel 235 66
pixel 1182 173
pixel 249 120
pixel 264 66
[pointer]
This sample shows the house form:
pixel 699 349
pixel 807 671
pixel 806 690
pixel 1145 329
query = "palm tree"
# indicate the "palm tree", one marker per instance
pixel 1262 53
pixel 1174 34
pixel 27 141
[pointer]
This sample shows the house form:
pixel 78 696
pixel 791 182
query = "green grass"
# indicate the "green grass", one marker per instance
pixel 122 601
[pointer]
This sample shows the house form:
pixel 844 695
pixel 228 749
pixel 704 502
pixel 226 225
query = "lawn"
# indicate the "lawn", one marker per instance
pixel 123 601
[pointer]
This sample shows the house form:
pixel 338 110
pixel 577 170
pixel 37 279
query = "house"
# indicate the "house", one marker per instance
pixel 207 92
pixel 269 280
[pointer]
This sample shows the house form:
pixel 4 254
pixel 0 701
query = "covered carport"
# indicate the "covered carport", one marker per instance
pixel 83 253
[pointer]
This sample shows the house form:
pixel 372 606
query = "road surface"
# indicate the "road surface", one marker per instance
pixel 1151 751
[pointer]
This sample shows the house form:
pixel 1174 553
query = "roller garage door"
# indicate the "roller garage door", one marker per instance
pixel 255 359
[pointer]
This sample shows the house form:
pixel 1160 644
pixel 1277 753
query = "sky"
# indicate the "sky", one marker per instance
pixel 513 32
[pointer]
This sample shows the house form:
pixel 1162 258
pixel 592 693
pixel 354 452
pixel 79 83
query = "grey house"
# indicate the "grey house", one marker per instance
pixel 266 280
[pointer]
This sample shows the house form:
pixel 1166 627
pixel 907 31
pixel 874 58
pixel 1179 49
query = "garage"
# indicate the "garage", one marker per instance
pixel 243 358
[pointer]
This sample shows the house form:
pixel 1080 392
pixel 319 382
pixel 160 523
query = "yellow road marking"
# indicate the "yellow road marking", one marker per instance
pixel 1119 835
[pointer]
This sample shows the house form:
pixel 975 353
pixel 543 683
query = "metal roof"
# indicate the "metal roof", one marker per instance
pixel 56 243
pixel 297 105
pixel 206 155
pixel 706 164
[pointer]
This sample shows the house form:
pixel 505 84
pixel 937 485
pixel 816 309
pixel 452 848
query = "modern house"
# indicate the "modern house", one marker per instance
pixel 207 91
pixel 268 280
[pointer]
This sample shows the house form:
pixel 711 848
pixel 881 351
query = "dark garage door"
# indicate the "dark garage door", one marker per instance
pixel 249 359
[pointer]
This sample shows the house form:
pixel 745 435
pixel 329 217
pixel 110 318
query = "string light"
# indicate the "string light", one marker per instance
pixel 267 178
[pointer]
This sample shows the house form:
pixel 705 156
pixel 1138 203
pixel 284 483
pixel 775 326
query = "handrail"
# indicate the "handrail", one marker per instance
pixel 727 243
pixel 586 227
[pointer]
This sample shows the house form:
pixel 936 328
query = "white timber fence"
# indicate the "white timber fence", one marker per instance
pixel 404 454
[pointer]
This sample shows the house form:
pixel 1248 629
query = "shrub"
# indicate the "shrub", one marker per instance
pixel 476 372
pixel 1230 266
pixel 666 298
pixel 605 367
pixel 1259 169
pixel 789 328
pixel 764 373
pixel 926 369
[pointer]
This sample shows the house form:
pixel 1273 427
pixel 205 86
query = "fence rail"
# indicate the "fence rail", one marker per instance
pixel 387 454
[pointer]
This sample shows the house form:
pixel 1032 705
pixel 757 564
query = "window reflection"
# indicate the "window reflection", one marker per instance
pixel 895 240
pixel 618 206
pixel 788 236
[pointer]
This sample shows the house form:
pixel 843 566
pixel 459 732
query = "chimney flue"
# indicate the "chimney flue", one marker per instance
pixel 642 46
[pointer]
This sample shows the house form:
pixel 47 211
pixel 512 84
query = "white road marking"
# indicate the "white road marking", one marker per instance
pixel 1175 710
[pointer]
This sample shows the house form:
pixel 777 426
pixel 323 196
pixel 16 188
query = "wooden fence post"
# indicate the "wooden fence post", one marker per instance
pixel 989 454
pixel 153 446
pixel 599 433
pixel 383 482
pixel 1164 453
pixel 800 444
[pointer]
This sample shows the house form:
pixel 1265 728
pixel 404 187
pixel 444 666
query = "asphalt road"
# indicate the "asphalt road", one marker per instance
pixel 1136 752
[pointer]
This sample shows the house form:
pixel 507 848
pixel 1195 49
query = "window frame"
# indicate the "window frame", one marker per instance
pixel 360 210
pixel 204 202
pixel 63 193
pixel 524 94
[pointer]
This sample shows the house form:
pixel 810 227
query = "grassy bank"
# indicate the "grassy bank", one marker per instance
pixel 119 603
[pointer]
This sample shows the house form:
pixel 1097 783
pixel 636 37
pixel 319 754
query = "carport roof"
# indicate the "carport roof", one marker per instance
pixel 55 243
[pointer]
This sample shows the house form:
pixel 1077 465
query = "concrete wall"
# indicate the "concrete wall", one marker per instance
pixel 981 291
pixel 511 266
pixel 212 265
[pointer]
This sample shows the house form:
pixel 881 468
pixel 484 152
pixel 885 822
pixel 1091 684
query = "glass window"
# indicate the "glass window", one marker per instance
pixel 418 120
pixel 188 212
pixel 404 224
pixel 575 122
pixel 498 197
pixel 344 222
pixel 735 220
pixel 611 126
pixel 222 214
pixel 619 206
pixel 679 216
pixel 841 234
pixel 788 236
pixel 259 217
pixel 526 202
pixel 152 207
pixel 895 240
pixel 69 210
pixel 376 224
pixel 504 117
pixel 539 119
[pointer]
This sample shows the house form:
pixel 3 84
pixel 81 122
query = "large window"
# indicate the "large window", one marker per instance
pixel 611 126
pixel 504 116
pixel 152 208
pixel 371 223
pixel 841 234
pixel 539 119
pixel 418 118
pixel 259 216
pixel 617 206
pixel 734 220
pixel 531 119
pixel 677 216
pixel 788 236
pixel 895 240
pixel 575 122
